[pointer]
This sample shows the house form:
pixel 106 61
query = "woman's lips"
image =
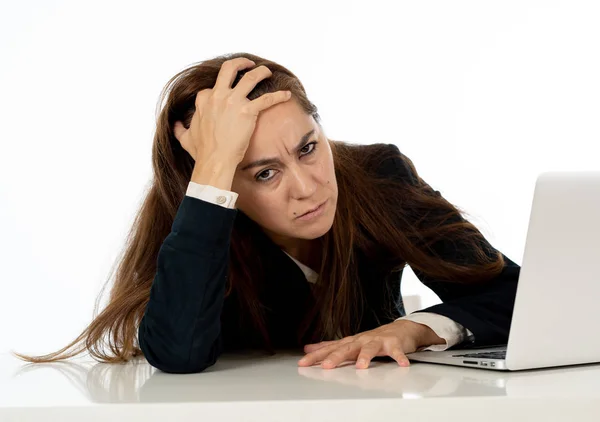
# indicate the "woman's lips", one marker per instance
pixel 311 214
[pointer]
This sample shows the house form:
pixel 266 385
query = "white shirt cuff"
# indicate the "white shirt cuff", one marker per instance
pixel 444 327
pixel 222 197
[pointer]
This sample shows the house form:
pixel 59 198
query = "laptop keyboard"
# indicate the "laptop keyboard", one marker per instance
pixel 501 354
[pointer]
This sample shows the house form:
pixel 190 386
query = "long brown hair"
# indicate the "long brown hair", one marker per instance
pixel 387 218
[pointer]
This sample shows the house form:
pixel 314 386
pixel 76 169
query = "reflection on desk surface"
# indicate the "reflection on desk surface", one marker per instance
pixel 253 376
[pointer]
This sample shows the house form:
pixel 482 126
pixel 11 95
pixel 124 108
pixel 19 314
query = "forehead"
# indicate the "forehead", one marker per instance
pixel 282 123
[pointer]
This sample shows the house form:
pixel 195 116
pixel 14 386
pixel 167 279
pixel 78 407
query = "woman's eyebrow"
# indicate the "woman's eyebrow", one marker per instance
pixel 275 160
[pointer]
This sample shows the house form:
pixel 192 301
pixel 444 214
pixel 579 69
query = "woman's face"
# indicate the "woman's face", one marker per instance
pixel 274 195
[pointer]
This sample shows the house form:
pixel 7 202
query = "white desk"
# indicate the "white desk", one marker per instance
pixel 252 387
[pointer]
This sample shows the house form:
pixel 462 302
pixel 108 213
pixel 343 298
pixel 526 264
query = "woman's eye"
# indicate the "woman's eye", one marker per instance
pixel 307 145
pixel 264 172
pixel 259 179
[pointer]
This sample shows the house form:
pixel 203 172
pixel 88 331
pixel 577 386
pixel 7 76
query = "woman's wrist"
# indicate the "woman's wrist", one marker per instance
pixel 424 335
pixel 430 337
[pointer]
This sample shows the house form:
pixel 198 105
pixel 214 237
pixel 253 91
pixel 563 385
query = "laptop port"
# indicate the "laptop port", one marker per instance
pixel 470 362
pixel 483 363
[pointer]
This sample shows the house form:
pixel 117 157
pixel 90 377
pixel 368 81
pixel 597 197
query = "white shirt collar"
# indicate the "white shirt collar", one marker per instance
pixel 309 273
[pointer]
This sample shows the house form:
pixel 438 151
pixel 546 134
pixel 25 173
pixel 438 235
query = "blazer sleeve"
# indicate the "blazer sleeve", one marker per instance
pixel 180 331
pixel 485 309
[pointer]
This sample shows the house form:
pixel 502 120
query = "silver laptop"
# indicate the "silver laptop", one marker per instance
pixel 555 320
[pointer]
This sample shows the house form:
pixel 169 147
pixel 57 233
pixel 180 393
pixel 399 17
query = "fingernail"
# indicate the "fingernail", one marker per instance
pixel 361 362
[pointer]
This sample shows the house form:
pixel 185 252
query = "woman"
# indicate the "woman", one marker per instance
pixel 223 256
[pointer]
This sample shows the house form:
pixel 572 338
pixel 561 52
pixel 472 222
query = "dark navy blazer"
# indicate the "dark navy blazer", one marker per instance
pixel 188 323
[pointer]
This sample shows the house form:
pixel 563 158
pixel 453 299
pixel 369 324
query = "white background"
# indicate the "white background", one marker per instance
pixel 481 95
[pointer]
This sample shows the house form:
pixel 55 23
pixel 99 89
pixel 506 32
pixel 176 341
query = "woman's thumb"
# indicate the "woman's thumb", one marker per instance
pixel 179 130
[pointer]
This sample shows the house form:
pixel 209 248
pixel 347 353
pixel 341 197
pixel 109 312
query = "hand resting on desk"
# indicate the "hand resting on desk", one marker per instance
pixel 394 339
